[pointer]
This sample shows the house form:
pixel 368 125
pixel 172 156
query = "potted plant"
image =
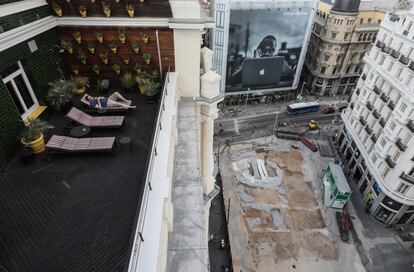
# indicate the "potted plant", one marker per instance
pixel 67 45
pixel 130 9
pixel 106 8
pixel 137 68
pixel 116 68
pixel 77 36
pixel 125 58
pixel 102 86
pixel 135 47
pixel 99 37
pixel 82 10
pixel 122 37
pixel 81 83
pixel 151 91
pixel 104 58
pixel 91 48
pixel 60 94
pixel 145 38
pixel 113 46
pixel 82 57
pixel 96 69
pixel 75 69
pixel 32 136
pixel 147 57
pixel 128 81
pixel 57 9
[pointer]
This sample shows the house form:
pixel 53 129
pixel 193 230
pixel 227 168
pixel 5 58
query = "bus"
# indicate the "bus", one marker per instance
pixel 297 108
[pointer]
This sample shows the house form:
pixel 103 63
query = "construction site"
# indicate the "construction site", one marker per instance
pixel 276 220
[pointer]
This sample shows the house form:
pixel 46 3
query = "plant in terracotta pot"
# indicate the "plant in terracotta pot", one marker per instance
pixel 106 8
pixel 32 136
pixel 99 37
pixel 60 95
pixel 81 83
pixel 130 9
pixel 104 58
pixel 151 91
pixel 125 58
pixel 116 68
pixel 82 10
pixel 57 9
pixel 113 46
pixel 147 57
pixel 135 47
pixel 77 36
pixel 96 69
pixel 137 68
pixel 128 81
pixel 145 38
pixel 67 46
pixel 82 57
pixel 102 86
pixel 75 69
pixel 122 36
pixel 91 48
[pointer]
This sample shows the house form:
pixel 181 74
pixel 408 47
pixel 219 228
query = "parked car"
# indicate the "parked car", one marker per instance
pixel 328 110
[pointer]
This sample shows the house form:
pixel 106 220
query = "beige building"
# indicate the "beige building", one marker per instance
pixel 341 36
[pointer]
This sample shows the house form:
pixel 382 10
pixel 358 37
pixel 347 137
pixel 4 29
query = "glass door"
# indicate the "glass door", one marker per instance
pixel 20 90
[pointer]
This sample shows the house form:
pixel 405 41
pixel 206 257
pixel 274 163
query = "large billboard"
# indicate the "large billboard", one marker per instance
pixel 265 48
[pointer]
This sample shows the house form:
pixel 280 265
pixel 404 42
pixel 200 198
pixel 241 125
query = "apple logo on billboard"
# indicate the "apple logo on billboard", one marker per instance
pixel 262 72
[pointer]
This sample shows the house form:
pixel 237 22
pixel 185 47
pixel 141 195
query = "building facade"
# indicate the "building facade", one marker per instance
pixel 341 35
pixel 376 143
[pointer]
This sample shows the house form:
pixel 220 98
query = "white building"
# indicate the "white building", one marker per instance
pixel 376 142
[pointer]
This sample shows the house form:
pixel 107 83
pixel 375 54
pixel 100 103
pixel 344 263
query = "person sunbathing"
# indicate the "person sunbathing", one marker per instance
pixel 115 100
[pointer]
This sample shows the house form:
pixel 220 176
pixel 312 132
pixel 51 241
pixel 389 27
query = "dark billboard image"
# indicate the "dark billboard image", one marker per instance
pixel 264 48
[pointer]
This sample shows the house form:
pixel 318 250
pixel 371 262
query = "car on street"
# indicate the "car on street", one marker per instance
pixel 329 110
pixel 312 125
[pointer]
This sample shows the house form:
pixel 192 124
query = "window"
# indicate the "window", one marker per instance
pixel 219 37
pixel 361 21
pixel 369 20
pixel 402 188
pixel 356 69
pixel 323 69
pixel 346 36
pixel 385 171
pixel 329 47
pixel 383 143
pixel 220 18
pixel 326 57
pixel 348 69
pixel 379 21
pixel 403 107
pixel 374 158
pixel 333 35
pixel 392 126
pixel 411 173
pixel 334 71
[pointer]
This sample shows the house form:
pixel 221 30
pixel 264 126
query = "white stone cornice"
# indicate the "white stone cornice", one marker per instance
pixel 113 21
pixel 187 24
pixel 25 32
pixel 12 8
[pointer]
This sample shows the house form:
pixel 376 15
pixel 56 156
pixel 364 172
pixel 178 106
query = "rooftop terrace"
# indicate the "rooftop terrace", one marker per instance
pixel 76 212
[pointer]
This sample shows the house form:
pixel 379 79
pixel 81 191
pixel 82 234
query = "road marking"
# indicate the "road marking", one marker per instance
pixel 236 126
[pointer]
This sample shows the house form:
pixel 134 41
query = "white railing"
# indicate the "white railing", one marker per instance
pixel 161 125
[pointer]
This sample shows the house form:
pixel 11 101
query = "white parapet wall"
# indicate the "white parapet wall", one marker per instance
pixel 148 246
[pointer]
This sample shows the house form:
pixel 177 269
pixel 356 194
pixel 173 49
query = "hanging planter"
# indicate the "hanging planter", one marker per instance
pixel 145 38
pixel 113 47
pixel 67 46
pixel 96 69
pixel 77 36
pixel 82 10
pixel 125 58
pixel 116 68
pixel 130 9
pixel 135 47
pixel 99 37
pixel 147 57
pixel 122 37
pixel 93 1
pixel 91 48
pixel 82 57
pixel 106 8
pixel 142 1
pixel 104 58
pixel 57 9
pixel 137 68
pixel 75 69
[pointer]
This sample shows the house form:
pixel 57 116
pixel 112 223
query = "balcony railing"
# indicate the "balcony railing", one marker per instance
pixel 376 114
pixel 405 32
pixel 370 106
pixel 410 125
pixel 379 44
pixel 391 105
pixel 404 60
pixel 411 66
pixel 364 76
pixel 395 54
pixel 384 97
pixel 407 178
pixel 401 146
pixel 368 130
pixel 374 138
pixel 382 122
pixel 362 121
pixel 390 162
pixel 358 91
pixel 386 49
pixel 377 90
